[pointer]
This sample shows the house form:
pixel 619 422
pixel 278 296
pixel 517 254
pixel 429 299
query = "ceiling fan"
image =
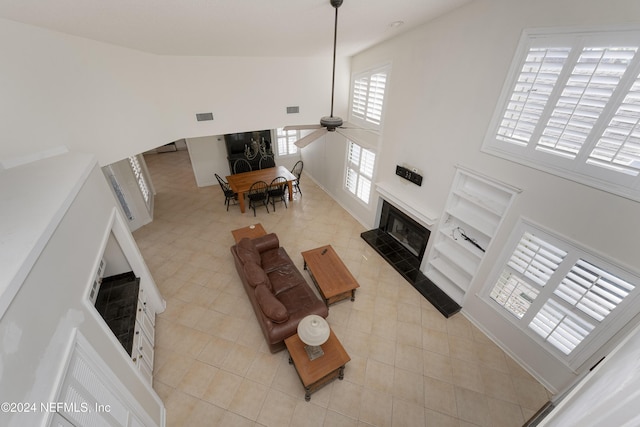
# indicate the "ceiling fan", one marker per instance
pixel 327 123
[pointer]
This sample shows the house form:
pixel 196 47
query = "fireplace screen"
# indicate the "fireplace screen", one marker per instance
pixel 404 229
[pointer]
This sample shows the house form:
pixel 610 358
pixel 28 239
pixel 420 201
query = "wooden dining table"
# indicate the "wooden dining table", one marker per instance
pixel 241 182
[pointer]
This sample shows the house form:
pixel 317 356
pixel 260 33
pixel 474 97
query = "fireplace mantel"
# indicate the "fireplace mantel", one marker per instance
pixel 402 199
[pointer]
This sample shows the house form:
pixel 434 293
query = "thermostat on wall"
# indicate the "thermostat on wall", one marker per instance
pixel 409 175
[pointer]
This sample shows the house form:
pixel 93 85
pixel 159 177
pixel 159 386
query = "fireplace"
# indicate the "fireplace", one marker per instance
pixel 402 242
pixel 405 230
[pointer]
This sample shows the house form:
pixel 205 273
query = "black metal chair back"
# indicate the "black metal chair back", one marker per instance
pixel 277 191
pixel 267 162
pixel 297 172
pixel 258 192
pixel 226 189
pixel 241 165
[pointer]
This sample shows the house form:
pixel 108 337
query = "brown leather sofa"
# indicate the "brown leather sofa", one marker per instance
pixel 279 294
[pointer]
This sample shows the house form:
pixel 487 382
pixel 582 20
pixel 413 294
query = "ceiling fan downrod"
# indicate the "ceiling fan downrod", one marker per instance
pixel 332 122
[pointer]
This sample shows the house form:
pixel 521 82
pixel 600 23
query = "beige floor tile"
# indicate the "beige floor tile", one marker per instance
pixel 248 399
pixel 408 414
pixel 467 375
pixel 277 410
pixel 440 396
pixel 204 414
pixel 307 414
pixel 504 414
pixel 263 368
pixel 376 408
pixel 222 388
pixel 196 380
pixel 379 376
pixel 408 386
pixel 409 358
pixel 345 398
pixel 437 366
pixel 473 407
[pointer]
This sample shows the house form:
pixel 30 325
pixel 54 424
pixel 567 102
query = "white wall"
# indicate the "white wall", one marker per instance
pixel 114 102
pixel 52 301
pixel 208 156
pixel 445 82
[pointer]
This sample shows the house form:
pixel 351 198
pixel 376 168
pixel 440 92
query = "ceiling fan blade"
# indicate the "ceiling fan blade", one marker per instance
pixel 302 127
pixel 303 142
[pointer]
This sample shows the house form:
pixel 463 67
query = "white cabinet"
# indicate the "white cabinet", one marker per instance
pixel 144 337
pixel 475 208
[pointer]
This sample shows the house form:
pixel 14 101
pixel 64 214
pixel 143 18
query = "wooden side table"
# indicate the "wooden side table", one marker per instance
pixel 251 231
pixel 318 372
pixel 332 278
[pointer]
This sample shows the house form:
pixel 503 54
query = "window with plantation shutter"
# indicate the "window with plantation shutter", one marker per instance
pixel 571 107
pixel 367 97
pixel 561 295
pixel 359 172
pixel 286 141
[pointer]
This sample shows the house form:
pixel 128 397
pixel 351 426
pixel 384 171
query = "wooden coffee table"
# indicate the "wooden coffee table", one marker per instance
pixel 251 231
pixel 330 275
pixel 318 372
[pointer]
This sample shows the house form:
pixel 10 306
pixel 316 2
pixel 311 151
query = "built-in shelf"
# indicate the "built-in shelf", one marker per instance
pixel 475 208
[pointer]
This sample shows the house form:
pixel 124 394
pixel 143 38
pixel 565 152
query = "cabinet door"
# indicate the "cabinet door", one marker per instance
pixel 144 317
pixel 142 347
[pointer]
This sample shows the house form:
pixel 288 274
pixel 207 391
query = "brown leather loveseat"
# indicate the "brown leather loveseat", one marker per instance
pixel 279 294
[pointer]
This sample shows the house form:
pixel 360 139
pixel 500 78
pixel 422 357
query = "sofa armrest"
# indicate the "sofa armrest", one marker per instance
pixel 266 242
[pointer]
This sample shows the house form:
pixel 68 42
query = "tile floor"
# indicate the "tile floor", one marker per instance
pixel 410 366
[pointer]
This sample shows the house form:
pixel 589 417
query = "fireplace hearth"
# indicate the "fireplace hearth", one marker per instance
pixel 401 241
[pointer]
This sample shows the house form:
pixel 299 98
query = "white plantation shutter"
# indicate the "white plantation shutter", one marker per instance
pixel 360 167
pixel 367 97
pixel 352 180
pixel 571 107
pixel 536 259
pixel 587 92
pixel 514 294
pixel 560 328
pixel 375 99
pixel 368 162
pixel 533 88
pixel 560 294
pixel 619 146
pixel 359 97
pixel 592 290
pixel 286 141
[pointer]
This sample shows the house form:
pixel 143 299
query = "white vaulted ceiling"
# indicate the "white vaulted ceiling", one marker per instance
pixel 273 28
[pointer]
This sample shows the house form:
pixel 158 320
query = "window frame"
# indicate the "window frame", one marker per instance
pixel 276 137
pixel 357 170
pixel 577 170
pixel 363 121
pixel 604 331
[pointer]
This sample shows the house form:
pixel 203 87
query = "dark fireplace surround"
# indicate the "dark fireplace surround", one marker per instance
pixel 402 242
pixel 409 233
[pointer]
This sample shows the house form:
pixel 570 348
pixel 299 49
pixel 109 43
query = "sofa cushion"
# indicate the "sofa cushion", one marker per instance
pixel 284 278
pixel 275 258
pixel 247 251
pixel 270 305
pixel 255 275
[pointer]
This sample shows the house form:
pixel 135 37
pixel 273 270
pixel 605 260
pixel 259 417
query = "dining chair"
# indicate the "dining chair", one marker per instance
pixel 228 192
pixel 258 192
pixel 297 172
pixel 267 162
pixel 241 165
pixel 277 191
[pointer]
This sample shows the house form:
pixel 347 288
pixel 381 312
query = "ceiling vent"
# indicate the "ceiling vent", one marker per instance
pixel 293 110
pixel 203 117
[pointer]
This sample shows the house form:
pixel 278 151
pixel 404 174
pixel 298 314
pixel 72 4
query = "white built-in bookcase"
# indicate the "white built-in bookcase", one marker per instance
pixel 475 208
